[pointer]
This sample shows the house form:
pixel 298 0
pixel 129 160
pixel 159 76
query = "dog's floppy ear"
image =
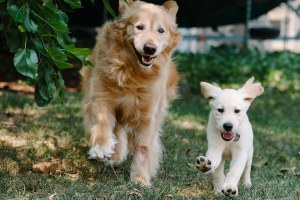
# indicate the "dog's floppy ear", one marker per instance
pixel 209 91
pixel 171 7
pixel 123 5
pixel 251 90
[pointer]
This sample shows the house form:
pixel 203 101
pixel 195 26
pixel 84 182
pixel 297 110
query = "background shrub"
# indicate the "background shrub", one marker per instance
pixel 227 65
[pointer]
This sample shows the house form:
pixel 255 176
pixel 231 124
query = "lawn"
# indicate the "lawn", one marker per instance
pixel 30 135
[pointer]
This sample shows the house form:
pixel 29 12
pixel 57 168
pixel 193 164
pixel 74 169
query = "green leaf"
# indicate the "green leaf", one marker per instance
pixel 21 28
pixel 109 8
pixel 60 83
pixel 39 46
pixel 74 3
pixel 40 101
pixel 50 78
pixel 30 25
pixel 15 40
pixel 63 16
pixel 79 53
pixel 1 27
pixel 26 62
pixel 51 16
pixel 59 58
pixel 19 14
pixel 60 40
pixel 47 79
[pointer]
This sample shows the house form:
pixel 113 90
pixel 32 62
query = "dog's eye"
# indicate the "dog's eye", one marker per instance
pixel 161 30
pixel 140 27
pixel 237 111
pixel 220 110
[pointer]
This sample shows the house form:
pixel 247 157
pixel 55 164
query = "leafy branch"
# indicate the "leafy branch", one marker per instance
pixel 37 34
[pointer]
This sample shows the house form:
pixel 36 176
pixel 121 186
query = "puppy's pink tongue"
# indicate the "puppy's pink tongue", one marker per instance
pixel 228 136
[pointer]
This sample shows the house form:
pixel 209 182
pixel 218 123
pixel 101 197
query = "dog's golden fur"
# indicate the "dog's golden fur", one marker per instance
pixel 125 101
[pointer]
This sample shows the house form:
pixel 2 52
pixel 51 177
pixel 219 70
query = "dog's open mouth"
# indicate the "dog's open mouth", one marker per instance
pixel 145 60
pixel 227 136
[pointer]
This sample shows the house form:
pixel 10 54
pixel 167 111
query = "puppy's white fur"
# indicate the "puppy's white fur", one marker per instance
pixel 229 106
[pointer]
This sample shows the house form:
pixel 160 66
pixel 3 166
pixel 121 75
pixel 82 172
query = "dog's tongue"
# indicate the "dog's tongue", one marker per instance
pixel 228 136
pixel 147 59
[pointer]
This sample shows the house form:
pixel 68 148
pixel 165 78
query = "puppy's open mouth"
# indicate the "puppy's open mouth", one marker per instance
pixel 227 136
pixel 144 60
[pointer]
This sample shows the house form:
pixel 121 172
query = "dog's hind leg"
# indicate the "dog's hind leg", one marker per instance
pixel 121 148
pixel 246 179
pixel 147 154
pixel 219 176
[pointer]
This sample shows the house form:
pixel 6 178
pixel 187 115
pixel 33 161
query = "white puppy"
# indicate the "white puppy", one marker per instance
pixel 229 135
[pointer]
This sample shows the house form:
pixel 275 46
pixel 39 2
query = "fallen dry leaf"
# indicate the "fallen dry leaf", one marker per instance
pixel 73 176
pixel 50 145
pixel 52 196
pixel 287 169
pixel 45 167
pixel 260 164
pixel 134 192
pixel 168 196
pixel 185 141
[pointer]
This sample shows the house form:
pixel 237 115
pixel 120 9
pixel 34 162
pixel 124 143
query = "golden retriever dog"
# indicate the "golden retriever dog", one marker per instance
pixel 127 92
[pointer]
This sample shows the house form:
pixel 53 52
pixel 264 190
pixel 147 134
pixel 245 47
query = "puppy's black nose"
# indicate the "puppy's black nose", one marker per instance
pixel 149 49
pixel 228 126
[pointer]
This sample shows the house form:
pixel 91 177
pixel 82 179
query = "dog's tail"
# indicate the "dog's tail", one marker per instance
pixel 85 73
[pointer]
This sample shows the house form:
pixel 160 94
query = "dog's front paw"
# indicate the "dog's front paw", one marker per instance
pixel 230 191
pixel 203 164
pixel 103 152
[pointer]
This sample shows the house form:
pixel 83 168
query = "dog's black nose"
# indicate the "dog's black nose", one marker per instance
pixel 228 126
pixel 149 49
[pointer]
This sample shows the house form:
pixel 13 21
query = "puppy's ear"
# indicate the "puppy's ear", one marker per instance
pixel 251 90
pixel 249 82
pixel 123 5
pixel 209 91
pixel 171 7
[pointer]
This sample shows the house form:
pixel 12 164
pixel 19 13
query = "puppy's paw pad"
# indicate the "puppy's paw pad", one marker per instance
pixel 203 164
pixel 230 191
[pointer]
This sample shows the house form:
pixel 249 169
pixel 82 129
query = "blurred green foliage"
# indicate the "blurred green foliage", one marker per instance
pixel 227 66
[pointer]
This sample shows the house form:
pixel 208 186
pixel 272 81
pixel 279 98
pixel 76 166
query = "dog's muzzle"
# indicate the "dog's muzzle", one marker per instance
pixel 144 60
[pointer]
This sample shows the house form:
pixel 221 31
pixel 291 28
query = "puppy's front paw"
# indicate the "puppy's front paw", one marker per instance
pixel 230 191
pixel 203 164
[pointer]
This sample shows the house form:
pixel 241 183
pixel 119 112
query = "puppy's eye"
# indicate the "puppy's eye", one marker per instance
pixel 220 110
pixel 161 30
pixel 140 27
pixel 237 111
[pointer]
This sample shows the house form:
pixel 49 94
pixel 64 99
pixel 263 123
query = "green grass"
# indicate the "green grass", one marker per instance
pixel 29 135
